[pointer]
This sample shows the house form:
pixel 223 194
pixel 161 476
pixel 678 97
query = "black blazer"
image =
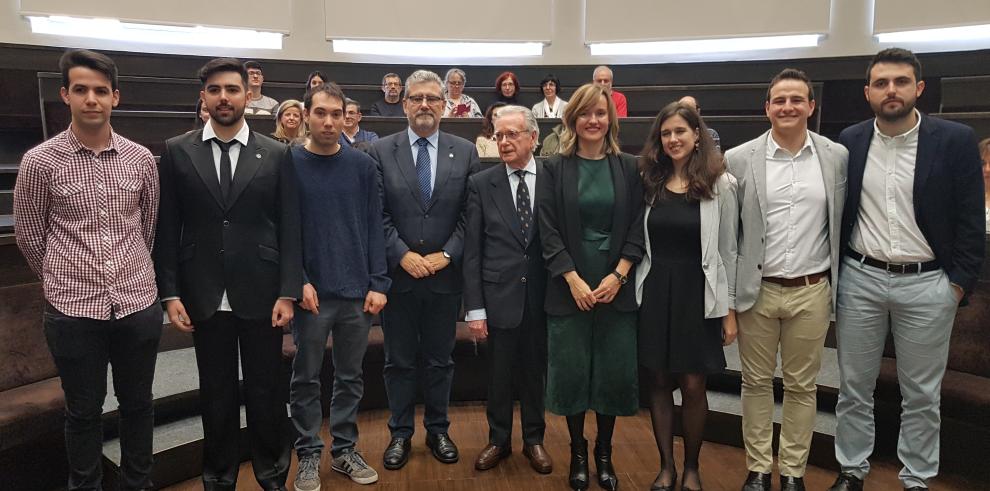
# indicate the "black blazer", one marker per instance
pixel 409 226
pixel 560 228
pixel 502 267
pixel 251 247
pixel 948 193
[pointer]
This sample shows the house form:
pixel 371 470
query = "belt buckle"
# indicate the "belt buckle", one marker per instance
pixel 895 268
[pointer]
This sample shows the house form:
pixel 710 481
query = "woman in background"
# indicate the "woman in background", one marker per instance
pixel 289 127
pixel 507 89
pixel 202 115
pixel 985 156
pixel 552 106
pixel 682 282
pixel 487 148
pixel 590 201
pixel 459 104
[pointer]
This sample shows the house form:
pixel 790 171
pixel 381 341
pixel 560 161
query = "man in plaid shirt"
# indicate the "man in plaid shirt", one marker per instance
pixel 85 206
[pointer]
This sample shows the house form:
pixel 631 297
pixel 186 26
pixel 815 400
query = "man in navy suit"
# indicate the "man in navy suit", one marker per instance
pixel 422 176
pixel 913 233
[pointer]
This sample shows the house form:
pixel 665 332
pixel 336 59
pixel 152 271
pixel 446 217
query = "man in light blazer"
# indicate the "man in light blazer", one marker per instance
pixel 792 185
pixel 422 176
pixel 504 285
pixel 914 241
pixel 228 259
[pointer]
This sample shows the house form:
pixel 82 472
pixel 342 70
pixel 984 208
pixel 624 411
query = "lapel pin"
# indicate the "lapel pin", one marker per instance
pixel 451 155
pixel 257 155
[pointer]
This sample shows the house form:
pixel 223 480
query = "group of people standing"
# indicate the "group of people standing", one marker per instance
pixel 578 270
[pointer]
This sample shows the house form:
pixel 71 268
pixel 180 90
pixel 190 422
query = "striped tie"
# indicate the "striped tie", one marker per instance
pixel 423 172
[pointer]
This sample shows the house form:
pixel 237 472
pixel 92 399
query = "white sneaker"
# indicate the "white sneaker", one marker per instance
pixel 308 475
pixel 353 465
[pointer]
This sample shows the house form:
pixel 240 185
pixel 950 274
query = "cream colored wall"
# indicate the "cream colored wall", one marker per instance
pixel 850 34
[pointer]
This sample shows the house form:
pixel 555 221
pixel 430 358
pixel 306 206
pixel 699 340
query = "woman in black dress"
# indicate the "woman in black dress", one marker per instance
pixel 683 282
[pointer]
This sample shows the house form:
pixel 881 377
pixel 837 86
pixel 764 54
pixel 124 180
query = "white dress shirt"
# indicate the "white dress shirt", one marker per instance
pixel 886 228
pixel 797 213
pixel 482 314
pixel 234 151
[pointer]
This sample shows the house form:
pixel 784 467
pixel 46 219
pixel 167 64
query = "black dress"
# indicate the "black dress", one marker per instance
pixel 674 335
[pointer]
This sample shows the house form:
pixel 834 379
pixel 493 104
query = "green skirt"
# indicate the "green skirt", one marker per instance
pixel 591 360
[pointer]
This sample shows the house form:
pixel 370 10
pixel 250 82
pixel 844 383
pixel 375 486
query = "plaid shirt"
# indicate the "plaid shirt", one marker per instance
pixel 85 222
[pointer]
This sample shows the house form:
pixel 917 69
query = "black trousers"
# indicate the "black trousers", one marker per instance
pixel 517 358
pixel 217 340
pixel 419 328
pixel 82 348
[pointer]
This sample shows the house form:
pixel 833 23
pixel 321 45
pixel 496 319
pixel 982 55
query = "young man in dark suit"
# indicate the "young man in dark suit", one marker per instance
pixel 228 259
pixel 913 231
pixel 504 285
pixel 422 179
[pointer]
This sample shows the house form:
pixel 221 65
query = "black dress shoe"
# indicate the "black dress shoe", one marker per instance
pixel 756 481
pixel 443 447
pixel 603 465
pixel 397 453
pixel 578 476
pixel 847 482
pixel 791 483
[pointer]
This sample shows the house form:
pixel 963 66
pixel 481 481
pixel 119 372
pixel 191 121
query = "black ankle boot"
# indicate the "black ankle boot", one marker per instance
pixel 603 465
pixel 578 477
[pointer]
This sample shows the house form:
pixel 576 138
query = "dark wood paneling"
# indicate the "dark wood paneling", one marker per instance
pixel 965 94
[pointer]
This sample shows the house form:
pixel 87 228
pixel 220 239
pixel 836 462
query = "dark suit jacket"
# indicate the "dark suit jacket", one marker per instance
pixel 502 267
pixel 560 228
pixel 251 246
pixel 409 226
pixel 948 193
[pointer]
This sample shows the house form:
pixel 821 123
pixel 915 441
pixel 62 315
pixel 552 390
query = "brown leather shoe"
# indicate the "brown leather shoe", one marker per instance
pixel 539 459
pixel 490 456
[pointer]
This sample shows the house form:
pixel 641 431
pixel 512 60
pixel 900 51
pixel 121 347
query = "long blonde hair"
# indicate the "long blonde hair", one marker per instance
pixel 279 132
pixel 584 99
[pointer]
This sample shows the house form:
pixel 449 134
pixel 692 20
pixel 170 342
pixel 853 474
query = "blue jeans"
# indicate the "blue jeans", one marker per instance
pixel 82 349
pixel 347 322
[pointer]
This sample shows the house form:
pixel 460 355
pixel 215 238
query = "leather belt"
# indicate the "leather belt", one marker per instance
pixel 905 268
pixel 807 280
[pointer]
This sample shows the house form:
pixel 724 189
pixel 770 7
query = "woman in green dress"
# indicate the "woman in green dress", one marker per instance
pixel 590 201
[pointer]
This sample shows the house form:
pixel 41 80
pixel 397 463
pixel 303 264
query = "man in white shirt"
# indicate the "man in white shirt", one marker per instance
pixel 913 234
pixel 791 191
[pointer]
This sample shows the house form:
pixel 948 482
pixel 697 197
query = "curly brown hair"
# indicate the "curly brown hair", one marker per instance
pixel 703 169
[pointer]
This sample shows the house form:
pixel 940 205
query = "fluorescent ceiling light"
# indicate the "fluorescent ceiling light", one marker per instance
pixel 435 49
pixel 116 30
pixel 705 45
pixel 964 33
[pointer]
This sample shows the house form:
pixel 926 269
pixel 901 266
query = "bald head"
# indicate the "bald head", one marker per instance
pixel 690 102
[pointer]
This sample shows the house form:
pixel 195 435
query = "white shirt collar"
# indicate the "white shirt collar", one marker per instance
pixel 903 136
pixel 530 167
pixel 773 147
pixel 241 136
pixel 433 139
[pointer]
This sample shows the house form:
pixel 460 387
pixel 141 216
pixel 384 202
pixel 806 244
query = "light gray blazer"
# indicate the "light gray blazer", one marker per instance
pixel 719 217
pixel 748 164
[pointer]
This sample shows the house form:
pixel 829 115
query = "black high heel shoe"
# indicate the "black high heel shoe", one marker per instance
pixel 578 477
pixel 603 465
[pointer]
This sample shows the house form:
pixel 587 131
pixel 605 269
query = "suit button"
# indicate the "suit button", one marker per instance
pixel 761 240
pixel 426 215
pixel 221 251
pixel 226 223
pixel 421 241
pixel 523 279
pixel 759 266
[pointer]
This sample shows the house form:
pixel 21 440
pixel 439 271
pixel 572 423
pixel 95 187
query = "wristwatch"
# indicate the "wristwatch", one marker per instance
pixel 445 254
pixel 621 277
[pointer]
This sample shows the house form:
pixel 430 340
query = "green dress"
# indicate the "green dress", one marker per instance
pixel 592 355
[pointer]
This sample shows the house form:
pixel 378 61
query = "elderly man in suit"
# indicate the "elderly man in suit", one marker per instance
pixel 913 234
pixel 229 264
pixel 792 184
pixel 422 176
pixel 504 285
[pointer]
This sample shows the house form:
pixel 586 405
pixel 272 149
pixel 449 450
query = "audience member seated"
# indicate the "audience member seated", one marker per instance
pixel 259 103
pixel 985 156
pixel 391 105
pixel 352 132
pixel 507 89
pixel 288 123
pixel 487 148
pixel 202 115
pixel 603 76
pixel 459 104
pixel 690 101
pixel 315 78
pixel 551 143
pixel 552 106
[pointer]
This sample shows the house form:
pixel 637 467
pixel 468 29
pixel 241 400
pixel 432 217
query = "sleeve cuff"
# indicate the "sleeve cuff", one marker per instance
pixel 476 315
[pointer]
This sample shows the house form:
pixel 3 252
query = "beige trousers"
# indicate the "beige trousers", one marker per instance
pixel 795 319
